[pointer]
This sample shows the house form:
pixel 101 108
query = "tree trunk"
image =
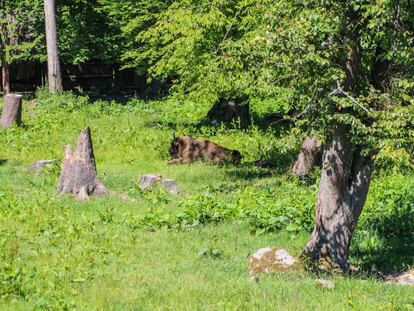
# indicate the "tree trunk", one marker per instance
pixel 310 154
pixel 228 111
pixel 343 189
pixel 12 110
pixel 345 179
pixel 5 73
pixel 53 65
pixel 78 175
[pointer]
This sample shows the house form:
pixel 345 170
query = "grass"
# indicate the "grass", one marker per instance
pixel 121 253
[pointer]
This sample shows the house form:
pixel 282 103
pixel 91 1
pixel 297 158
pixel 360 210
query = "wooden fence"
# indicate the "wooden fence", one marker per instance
pixel 93 76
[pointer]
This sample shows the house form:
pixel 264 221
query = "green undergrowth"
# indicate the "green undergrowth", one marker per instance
pixel 152 250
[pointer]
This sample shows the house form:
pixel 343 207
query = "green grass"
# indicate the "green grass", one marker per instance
pixel 154 251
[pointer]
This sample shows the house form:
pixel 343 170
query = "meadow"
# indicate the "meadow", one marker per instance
pixel 135 250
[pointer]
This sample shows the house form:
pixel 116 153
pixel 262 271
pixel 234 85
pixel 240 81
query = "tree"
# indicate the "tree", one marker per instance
pixel 348 163
pixel 346 67
pixel 21 36
pixel 87 31
pixel 53 63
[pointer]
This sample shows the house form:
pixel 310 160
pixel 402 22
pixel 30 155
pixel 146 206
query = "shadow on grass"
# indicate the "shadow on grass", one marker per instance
pixel 247 171
pixel 274 122
pixel 3 161
pixel 274 165
pixel 388 248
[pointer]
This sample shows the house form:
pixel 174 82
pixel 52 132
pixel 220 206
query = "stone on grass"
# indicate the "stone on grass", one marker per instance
pixel 38 166
pixel 149 180
pixel 269 260
pixel 404 279
pixel 325 283
pixel 171 185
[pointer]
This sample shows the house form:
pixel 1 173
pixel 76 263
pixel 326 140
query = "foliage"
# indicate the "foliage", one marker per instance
pixel 286 56
pixel 130 17
pixel 86 32
pixel 21 30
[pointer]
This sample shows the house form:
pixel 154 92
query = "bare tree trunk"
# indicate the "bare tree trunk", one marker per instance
pixel 53 65
pixel 343 189
pixel 78 175
pixel 309 155
pixel 5 73
pixel 12 110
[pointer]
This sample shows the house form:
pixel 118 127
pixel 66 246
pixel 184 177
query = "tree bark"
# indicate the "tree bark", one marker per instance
pixel 345 178
pixel 5 74
pixel 229 111
pixel 12 110
pixel 310 154
pixel 53 64
pixel 79 175
pixel 343 189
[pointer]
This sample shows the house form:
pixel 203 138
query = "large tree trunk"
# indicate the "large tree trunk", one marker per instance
pixel 53 65
pixel 343 189
pixel 12 110
pixel 5 74
pixel 228 111
pixel 345 179
pixel 78 175
pixel 310 154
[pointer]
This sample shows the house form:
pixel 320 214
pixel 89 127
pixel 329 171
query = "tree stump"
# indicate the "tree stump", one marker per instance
pixel 228 111
pixel 310 154
pixel 171 185
pixel 78 174
pixel 148 181
pixel 12 110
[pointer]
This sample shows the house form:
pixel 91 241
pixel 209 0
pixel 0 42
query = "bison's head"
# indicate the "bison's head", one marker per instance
pixel 174 148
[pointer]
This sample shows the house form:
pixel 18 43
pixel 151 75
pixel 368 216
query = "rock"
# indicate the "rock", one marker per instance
pixel 269 260
pixel 149 180
pixel 171 185
pixel 404 279
pixel 325 283
pixel 38 166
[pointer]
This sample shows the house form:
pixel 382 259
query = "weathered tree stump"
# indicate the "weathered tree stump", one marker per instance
pixel 78 174
pixel 38 166
pixel 12 110
pixel 171 185
pixel 148 181
pixel 228 111
pixel 310 154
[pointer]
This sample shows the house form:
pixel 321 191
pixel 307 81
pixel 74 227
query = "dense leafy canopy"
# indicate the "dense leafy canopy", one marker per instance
pixel 286 57
pixel 21 30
